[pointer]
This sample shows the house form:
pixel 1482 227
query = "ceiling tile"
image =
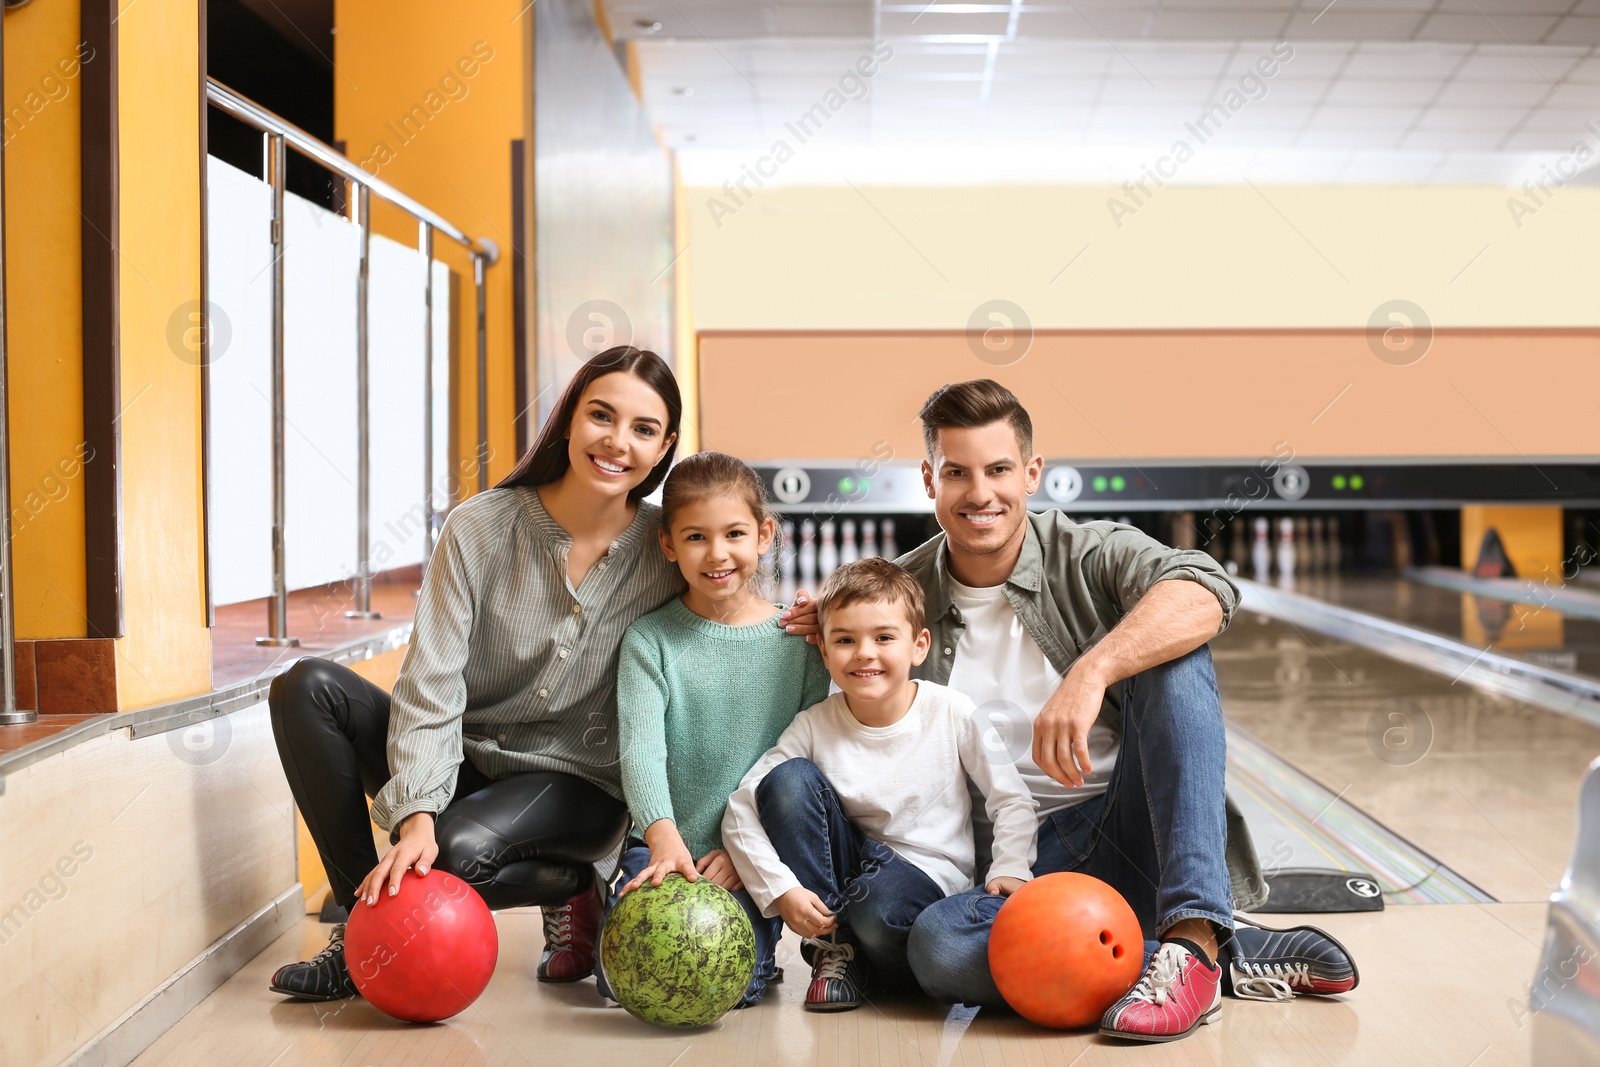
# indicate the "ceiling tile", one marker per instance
pixel 1577 30
pixel 1487 27
pixel 1359 91
pixel 1351 24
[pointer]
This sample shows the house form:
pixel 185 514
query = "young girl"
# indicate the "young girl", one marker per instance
pixel 705 686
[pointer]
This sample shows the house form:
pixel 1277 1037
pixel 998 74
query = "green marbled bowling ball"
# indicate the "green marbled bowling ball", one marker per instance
pixel 679 954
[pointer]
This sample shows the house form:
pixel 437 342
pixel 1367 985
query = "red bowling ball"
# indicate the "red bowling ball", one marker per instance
pixel 1063 948
pixel 425 953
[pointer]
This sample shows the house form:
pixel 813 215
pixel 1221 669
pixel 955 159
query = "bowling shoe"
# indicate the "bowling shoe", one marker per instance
pixel 322 977
pixel 837 976
pixel 1179 991
pixel 1268 964
pixel 570 933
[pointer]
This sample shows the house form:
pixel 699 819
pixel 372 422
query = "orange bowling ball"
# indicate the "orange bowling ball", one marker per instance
pixel 1064 948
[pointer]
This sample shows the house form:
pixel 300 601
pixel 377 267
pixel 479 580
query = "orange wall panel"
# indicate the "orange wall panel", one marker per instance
pixel 429 99
pixel 1162 394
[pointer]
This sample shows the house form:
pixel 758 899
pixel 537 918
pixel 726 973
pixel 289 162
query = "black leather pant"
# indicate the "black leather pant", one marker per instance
pixel 527 839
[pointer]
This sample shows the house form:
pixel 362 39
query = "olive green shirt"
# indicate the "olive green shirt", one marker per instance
pixel 1072 583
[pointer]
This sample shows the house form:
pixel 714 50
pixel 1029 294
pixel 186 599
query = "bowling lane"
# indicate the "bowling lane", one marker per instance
pixel 1485 784
pixel 1535 632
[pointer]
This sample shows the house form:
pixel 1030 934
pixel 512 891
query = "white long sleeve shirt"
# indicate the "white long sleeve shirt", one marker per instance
pixel 904 785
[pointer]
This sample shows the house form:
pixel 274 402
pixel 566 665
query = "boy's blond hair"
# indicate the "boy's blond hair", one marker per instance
pixel 873 580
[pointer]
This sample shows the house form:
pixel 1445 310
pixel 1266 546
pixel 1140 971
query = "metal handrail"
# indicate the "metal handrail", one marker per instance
pixel 281 135
pixel 253 114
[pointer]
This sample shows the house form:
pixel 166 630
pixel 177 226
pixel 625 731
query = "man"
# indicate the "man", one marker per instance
pixel 1096 635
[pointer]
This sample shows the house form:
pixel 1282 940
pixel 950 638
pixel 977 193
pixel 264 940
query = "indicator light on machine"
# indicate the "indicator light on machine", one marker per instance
pixel 1118 483
pixel 1099 483
pixel 1357 482
pixel 1338 481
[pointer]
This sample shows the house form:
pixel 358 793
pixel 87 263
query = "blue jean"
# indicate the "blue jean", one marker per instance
pixel 635 858
pixel 874 893
pixel 1158 835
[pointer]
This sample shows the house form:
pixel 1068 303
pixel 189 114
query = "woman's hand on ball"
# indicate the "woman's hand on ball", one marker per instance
pixel 1003 887
pixel 416 848
pixel 718 867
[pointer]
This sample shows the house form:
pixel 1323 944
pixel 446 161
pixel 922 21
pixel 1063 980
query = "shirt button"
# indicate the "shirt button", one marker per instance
pixel 947 652
pixel 502 739
pixel 544 692
pixel 562 653
pixel 577 608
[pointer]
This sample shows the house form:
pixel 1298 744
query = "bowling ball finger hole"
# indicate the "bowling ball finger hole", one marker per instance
pixel 1105 937
pixel 1116 952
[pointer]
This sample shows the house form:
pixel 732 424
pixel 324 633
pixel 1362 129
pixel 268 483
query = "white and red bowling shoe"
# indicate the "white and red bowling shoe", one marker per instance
pixel 1180 990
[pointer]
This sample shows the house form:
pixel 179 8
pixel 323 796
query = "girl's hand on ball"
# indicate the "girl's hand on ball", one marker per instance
pixel 1003 887
pixel 416 848
pixel 716 866
pixel 805 914
pixel 668 855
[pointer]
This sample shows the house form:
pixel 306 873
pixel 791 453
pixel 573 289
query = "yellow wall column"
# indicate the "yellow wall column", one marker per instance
pixel 166 653
pixel 43 69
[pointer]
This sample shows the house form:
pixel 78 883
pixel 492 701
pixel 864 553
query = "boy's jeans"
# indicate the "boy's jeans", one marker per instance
pixel 635 858
pixel 875 894
pixel 1158 835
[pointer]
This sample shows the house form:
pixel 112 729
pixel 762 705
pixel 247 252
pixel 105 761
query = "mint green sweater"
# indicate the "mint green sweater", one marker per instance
pixel 698 703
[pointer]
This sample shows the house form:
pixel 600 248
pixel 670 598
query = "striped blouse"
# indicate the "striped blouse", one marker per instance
pixel 510 666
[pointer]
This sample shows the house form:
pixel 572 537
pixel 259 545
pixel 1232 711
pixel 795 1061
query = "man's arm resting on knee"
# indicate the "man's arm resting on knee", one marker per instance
pixel 1172 619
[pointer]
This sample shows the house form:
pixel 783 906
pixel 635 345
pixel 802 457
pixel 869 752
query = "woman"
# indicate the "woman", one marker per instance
pixel 496 757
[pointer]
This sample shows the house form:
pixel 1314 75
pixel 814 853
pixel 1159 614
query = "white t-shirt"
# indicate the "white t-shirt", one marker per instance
pixel 997 661
pixel 904 785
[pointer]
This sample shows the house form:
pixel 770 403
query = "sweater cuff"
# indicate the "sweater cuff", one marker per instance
pixel 650 808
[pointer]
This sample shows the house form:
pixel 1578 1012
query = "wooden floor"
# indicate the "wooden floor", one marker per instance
pixel 1438 986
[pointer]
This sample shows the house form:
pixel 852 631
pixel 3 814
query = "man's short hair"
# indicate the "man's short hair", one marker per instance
pixel 873 580
pixel 975 403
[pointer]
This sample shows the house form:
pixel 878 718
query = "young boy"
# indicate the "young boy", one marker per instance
pixel 860 817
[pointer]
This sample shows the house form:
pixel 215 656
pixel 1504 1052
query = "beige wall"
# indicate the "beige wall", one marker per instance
pixel 1295 256
pixel 125 860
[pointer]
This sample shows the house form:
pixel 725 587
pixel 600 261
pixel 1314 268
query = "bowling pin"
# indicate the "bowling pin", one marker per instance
pixel 827 552
pixel 1261 552
pixel 890 549
pixel 869 538
pixel 786 566
pixel 808 556
pixel 1214 538
pixel 847 542
pixel 1239 547
pixel 1286 553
